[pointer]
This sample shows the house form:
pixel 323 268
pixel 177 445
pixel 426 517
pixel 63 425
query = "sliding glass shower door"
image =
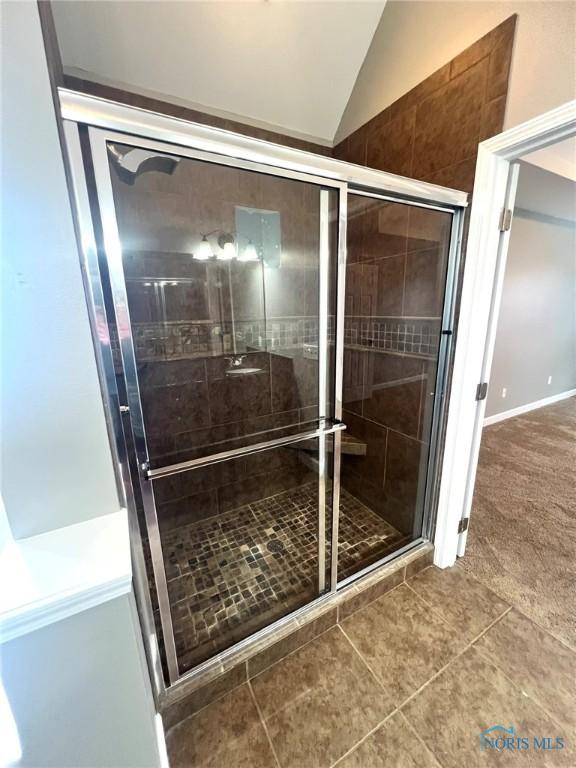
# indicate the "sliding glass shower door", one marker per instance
pixel 397 321
pixel 280 343
pixel 224 283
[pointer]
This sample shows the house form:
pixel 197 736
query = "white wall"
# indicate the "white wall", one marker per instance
pixel 416 38
pixel 78 692
pixel 289 66
pixel 536 336
pixel 55 456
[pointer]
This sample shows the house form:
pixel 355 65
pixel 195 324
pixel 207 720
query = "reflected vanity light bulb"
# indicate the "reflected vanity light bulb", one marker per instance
pixel 228 252
pixel 204 250
pixel 249 253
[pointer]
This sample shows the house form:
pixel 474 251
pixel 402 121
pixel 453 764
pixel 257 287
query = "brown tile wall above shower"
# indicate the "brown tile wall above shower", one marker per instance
pixel 234 399
pixel 294 382
pixel 193 407
pixel 392 391
pixel 427 229
pixel 424 283
pixel 190 318
pixel 397 256
pixel 432 132
pixel 394 297
pixel 390 143
pixel 404 479
pixel 390 414
pixel 132 99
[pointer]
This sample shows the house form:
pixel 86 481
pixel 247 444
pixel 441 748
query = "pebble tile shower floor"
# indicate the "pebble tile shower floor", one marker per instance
pixel 232 574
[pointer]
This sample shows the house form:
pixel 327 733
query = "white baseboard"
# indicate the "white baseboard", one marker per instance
pixel 528 407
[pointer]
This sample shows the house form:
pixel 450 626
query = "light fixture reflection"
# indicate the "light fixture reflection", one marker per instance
pixel 249 253
pixel 227 247
pixel 204 250
pixel 228 252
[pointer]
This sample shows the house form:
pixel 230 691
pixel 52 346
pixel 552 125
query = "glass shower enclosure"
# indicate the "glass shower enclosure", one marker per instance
pixel 277 338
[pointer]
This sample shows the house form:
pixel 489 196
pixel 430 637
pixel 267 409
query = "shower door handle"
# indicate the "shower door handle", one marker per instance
pixel 174 469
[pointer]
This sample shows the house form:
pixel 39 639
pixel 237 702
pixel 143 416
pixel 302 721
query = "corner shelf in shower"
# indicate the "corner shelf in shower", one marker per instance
pixel 350 445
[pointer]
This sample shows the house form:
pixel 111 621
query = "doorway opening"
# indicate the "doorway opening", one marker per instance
pixel 522 537
pixel 520 251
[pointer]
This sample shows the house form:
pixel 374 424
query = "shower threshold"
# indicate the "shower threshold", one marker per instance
pixel 233 574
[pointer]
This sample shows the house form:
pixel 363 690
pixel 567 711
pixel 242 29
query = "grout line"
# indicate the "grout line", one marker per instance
pixel 413 147
pixel 426 567
pixel 405 265
pixel 365 362
pixel 388 591
pixel 434 610
pixel 261 716
pixel 291 653
pixel 386 465
pixel 286 705
pixel 561 640
pixel 446 621
pixel 519 687
pixel 364 738
pixel 424 387
pixel 336 607
pixel 457 656
pixel 363 660
pixel 461 567
pixel 217 698
pixel 420 739
pixel 383 426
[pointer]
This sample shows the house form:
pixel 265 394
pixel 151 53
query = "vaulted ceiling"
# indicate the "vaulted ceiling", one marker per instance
pixel 559 158
pixel 285 65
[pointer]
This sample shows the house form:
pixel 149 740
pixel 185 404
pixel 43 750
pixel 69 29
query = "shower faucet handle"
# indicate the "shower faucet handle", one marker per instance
pixel 235 361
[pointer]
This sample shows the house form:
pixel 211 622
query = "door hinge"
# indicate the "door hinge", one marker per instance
pixel 463 525
pixel 482 390
pixel 505 220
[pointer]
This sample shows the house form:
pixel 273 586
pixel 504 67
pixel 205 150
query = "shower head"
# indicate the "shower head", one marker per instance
pixel 133 163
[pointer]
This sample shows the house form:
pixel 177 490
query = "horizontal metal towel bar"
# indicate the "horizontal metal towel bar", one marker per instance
pixel 204 461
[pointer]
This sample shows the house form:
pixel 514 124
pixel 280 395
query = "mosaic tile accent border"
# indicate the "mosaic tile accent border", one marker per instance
pixel 178 339
pixel 414 335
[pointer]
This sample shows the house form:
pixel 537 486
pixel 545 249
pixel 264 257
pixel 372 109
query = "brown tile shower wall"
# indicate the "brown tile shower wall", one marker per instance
pixel 189 317
pixel 432 132
pixel 132 99
pixel 395 275
pixel 397 257
pixel 195 405
pixel 202 493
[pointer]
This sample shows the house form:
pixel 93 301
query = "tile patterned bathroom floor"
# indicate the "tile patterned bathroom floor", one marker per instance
pixel 398 685
pixel 232 574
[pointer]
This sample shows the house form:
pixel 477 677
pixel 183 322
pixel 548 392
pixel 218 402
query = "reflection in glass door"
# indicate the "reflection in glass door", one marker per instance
pixel 241 545
pixel 396 279
pixel 224 285
pixel 244 344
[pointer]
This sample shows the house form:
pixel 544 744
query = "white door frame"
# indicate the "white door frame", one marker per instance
pixel 485 261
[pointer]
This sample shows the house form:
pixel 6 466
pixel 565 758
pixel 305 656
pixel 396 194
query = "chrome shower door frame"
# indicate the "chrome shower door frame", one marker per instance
pixel 100 121
pixel 99 139
pixel 426 521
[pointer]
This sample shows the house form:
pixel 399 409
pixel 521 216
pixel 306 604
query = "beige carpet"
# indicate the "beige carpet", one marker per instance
pixel 522 539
